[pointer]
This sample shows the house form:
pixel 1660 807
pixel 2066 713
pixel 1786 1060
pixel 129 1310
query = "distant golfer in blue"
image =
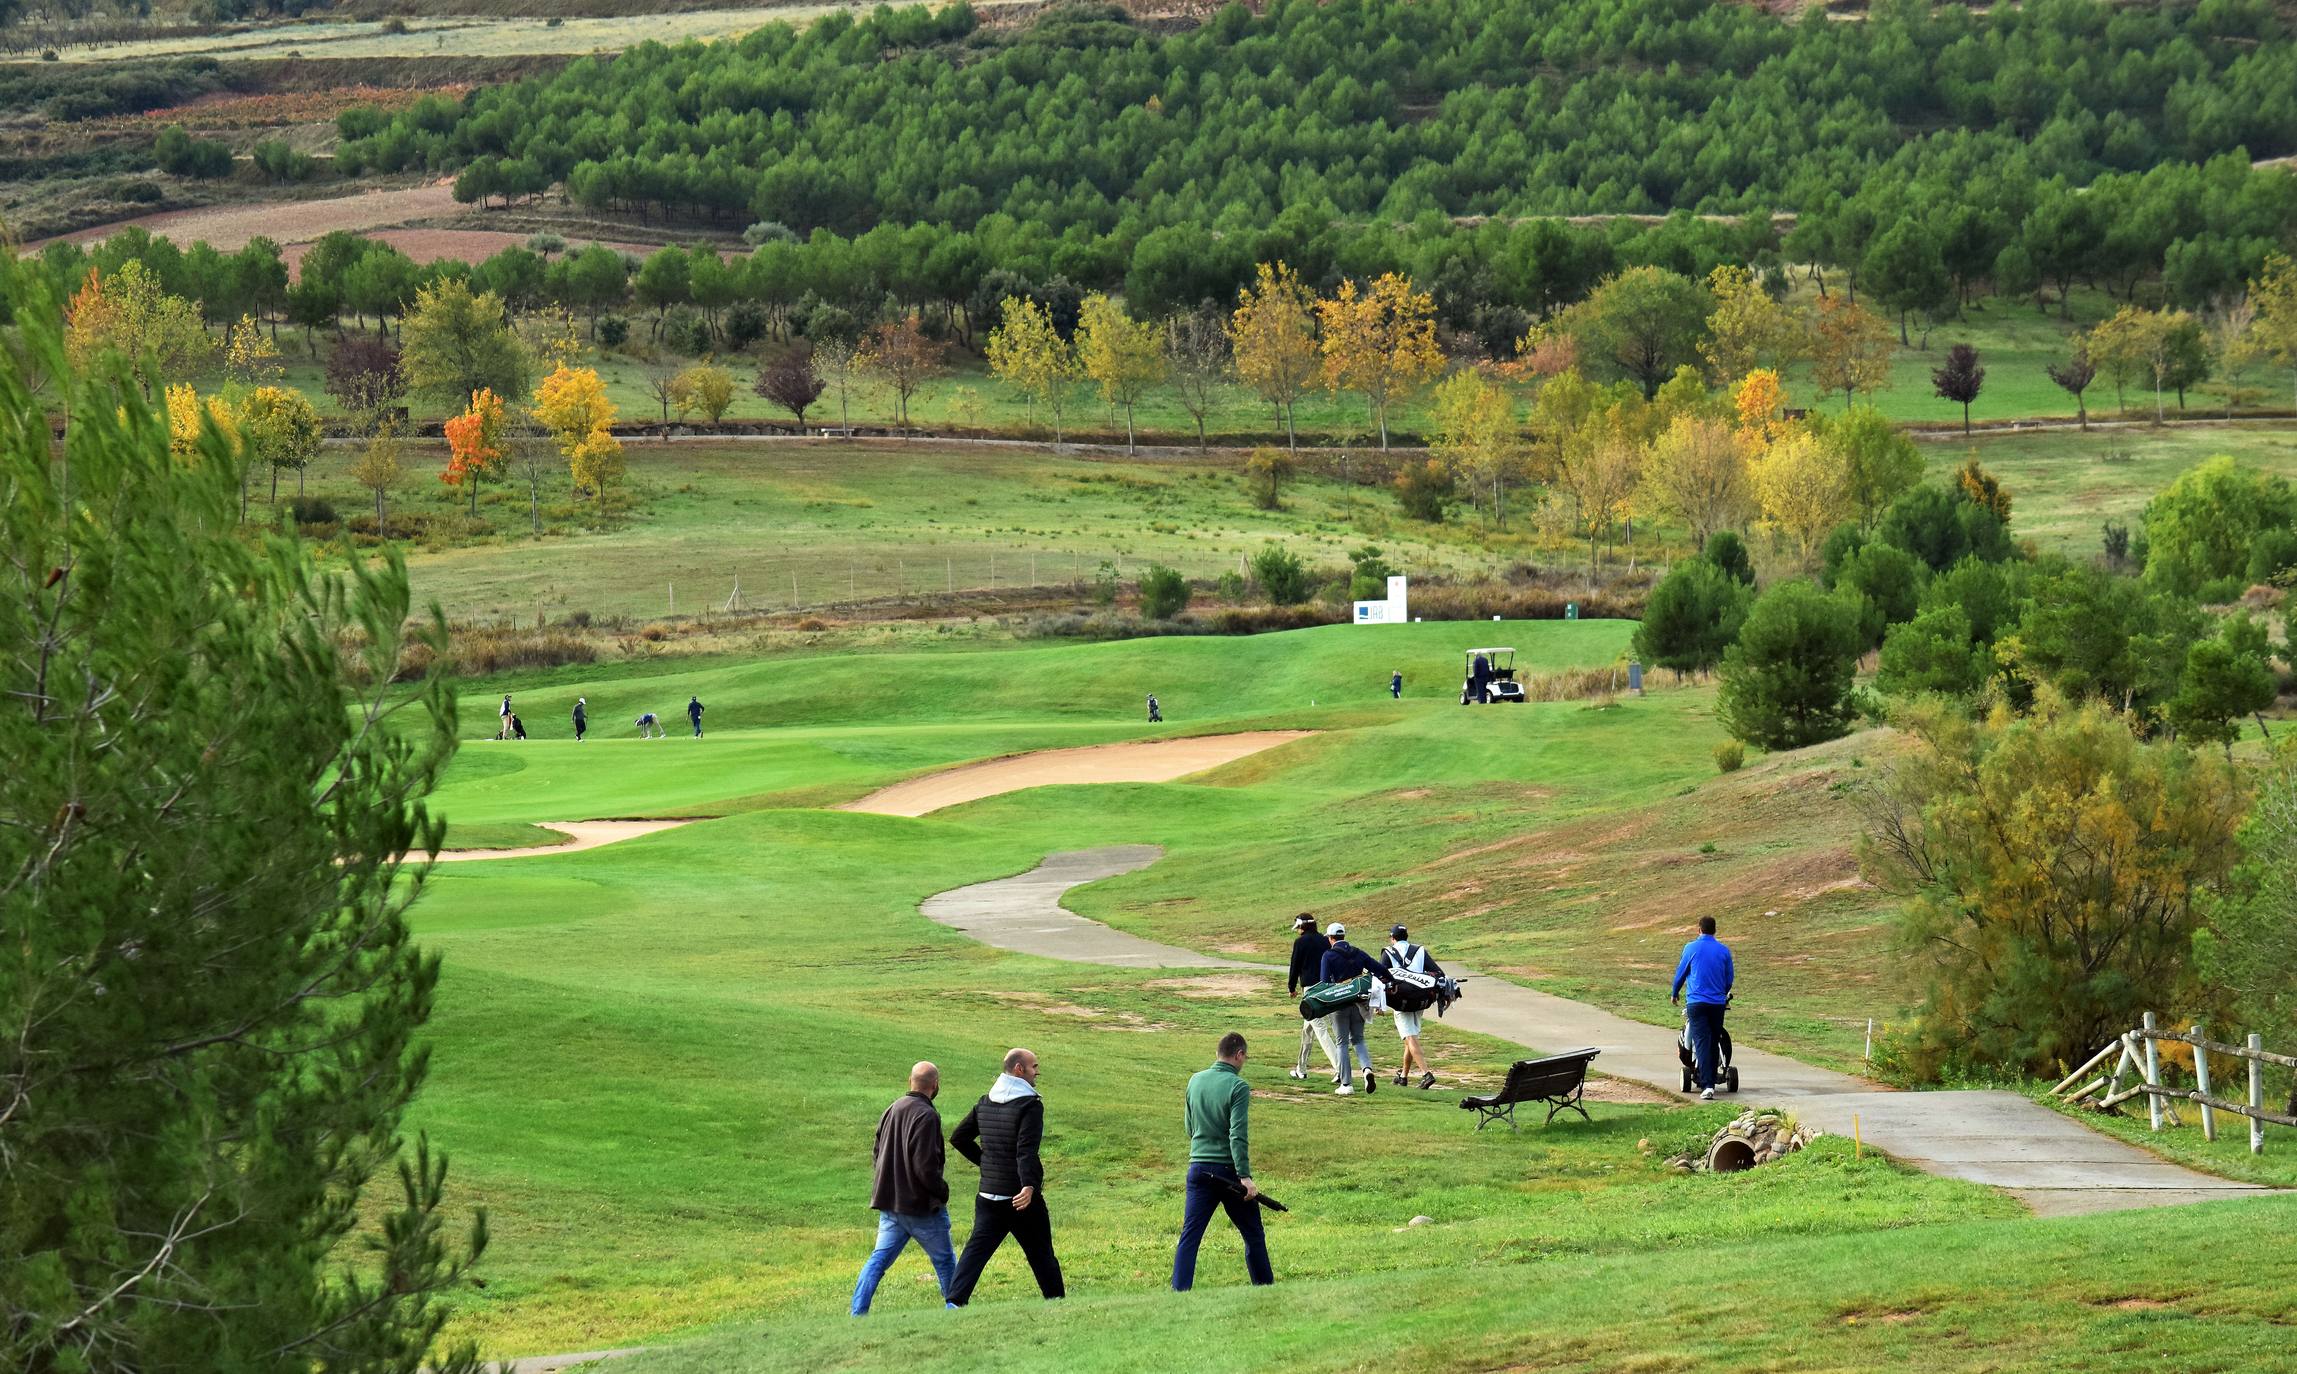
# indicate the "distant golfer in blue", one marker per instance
pixel 1705 970
pixel 694 714
pixel 1396 684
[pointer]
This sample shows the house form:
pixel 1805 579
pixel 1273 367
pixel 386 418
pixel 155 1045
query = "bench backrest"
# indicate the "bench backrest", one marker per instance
pixel 1534 1078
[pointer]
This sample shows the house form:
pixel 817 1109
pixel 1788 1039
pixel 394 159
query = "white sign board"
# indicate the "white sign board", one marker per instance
pixel 1393 611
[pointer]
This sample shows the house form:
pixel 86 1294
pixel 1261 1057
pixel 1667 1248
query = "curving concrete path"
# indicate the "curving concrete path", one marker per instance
pixel 1150 760
pixel 2055 1164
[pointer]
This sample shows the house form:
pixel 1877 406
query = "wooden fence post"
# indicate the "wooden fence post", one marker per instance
pixel 2256 1093
pixel 2152 1074
pixel 2201 1081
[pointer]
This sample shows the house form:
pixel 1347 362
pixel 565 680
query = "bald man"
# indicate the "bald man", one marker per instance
pixel 1001 1134
pixel 907 1187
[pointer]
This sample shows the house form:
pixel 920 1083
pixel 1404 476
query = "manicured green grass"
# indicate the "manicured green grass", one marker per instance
pixel 2127 1292
pixel 659 1063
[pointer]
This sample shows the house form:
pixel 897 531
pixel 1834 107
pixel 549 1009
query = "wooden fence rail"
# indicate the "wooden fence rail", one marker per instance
pixel 2140 1057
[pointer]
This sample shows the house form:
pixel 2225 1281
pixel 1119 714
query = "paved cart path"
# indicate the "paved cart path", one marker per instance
pixel 2055 1164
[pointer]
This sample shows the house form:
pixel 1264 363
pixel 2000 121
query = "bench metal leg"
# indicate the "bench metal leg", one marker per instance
pixel 1557 1104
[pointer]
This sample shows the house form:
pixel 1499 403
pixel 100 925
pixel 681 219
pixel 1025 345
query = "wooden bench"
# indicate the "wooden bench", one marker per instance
pixel 1558 1080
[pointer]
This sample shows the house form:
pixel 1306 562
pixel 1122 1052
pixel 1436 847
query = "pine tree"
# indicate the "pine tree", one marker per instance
pixel 209 1009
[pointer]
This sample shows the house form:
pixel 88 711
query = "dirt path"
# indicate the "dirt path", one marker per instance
pixel 587 835
pixel 1160 760
pixel 2056 1165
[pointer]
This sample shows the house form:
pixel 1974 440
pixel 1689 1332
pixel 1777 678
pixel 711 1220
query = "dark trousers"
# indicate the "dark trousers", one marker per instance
pixel 1209 1186
pixel 1706 1020
pixel 580 726
pixel 697 727
pixel 992 1222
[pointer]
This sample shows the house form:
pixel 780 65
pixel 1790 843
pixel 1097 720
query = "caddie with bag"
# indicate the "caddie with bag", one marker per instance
pixel 1415 983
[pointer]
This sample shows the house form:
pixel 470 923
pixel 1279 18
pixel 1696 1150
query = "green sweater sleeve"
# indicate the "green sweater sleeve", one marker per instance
pixel 1239 1102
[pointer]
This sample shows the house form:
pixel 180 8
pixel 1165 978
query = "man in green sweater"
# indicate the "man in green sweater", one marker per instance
pixel 1220 1166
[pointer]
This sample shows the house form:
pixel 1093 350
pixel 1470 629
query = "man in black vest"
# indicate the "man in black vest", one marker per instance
pixel 1001 1134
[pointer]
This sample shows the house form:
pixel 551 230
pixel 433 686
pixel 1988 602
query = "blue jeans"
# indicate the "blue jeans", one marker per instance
pixel 895 1230
pixel 1706 1026
pixel 1348 1029
pixel 1206 1191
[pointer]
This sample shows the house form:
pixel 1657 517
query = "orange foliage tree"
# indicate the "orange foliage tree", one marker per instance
pixel 475 444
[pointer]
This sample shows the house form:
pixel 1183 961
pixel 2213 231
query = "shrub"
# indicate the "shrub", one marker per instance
pixel 1266 472
pixel 613 331
pixel 280 162
pixel 1787 680
pixel 1283 578
pixel 1934 652
pixel 179 154
pixel 1726 550
pixel 1164 593
pixel 1730 757
pixel 1692 617
pixel 1230 587
pixel 2272 553
pixel 2052 866
pixel 1424 489
pixel 312 510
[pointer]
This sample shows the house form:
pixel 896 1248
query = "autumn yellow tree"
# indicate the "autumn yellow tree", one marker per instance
pixel 158 336
pixel 1697 473
pixel 704 389
pixel 1851 347
pixel 1476 432
pixel 1761 402
pixel 188 418
pixel 572 405
pixel 1026 352
pixel 1602 465
pixel 249 359
pixel 279 427
pixel 377 468
pixel 1803 489
pixel 2273 324
pixel 1272 337
pixel 1748 329
pixel 1124 355
pixel 1379 343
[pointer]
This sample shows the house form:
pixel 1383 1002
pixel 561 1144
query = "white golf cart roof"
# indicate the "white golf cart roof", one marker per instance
pixel 1492 651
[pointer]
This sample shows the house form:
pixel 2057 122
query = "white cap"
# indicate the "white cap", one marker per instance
pixel 1335 930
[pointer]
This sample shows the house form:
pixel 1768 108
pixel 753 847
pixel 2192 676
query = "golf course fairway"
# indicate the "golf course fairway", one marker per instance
pixel 659 1063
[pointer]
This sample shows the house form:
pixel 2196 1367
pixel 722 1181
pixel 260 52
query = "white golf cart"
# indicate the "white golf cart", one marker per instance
pixel 1490 678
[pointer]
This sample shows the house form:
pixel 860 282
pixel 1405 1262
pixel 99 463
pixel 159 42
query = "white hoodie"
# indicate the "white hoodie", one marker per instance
pixel 1009 1088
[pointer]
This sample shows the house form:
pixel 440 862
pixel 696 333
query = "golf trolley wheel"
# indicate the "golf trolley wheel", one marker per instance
pixel 1688 1085
pixel 1730 1080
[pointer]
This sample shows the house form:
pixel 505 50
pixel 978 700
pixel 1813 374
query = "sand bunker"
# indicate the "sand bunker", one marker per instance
pixel 1160 760
pixel 587 835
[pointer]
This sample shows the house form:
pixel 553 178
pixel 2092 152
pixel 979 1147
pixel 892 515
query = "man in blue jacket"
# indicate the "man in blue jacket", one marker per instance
pixel 1342 962
pixel 1705 969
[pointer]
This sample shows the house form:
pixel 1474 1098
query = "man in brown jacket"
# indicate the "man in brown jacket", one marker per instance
pixel 907 1187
